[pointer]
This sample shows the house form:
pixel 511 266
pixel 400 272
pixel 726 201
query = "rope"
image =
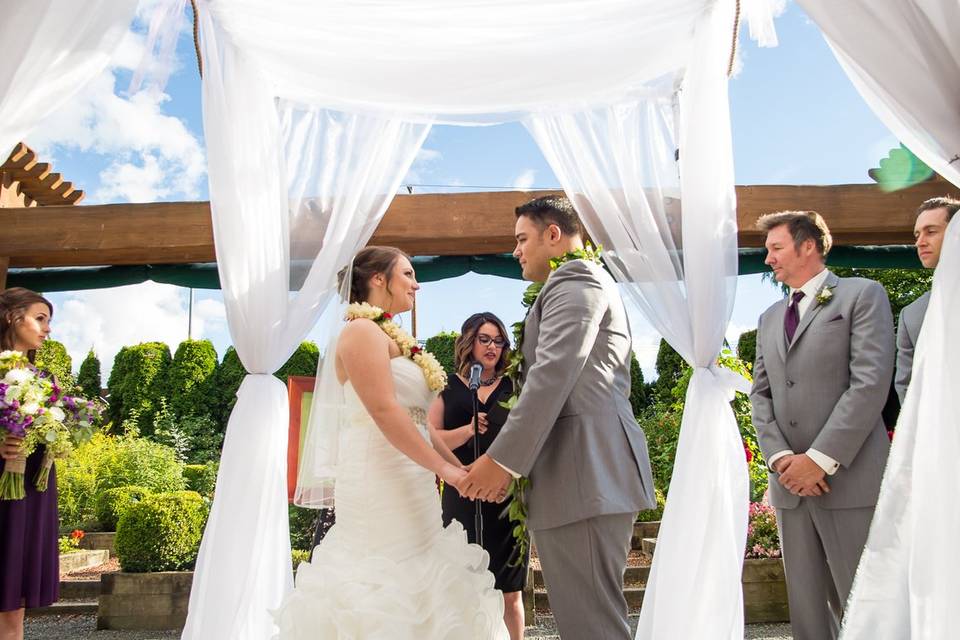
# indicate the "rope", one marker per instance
pixel 733 44
pixel 196 35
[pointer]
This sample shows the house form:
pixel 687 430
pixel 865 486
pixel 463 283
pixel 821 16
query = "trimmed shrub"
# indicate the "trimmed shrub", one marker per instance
pixel 140 462
pixel 227 381
pixel 670 367
pixel 112 503
pixel 190 378
pixel 441 346
pixel 162 532
pixel 303 362
pixel 638 390
pixel 137 382
pixel 89 380
pixel 52 356
pixel 747 348
pixel 299 556
pixel 655 514
pixel 201 478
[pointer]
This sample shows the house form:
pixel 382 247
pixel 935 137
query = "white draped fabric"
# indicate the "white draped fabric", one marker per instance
pixel 52 48
pixel 294 192
pixel 314 111
pixel 904 59
pixel 617 164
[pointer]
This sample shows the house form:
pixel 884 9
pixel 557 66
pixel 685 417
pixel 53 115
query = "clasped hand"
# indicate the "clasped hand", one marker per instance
pixel 10 447
pixel 801 476
pixel 486 480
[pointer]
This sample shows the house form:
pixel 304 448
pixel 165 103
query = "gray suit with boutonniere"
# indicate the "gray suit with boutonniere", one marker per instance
pixel 573 434
pixel 823 393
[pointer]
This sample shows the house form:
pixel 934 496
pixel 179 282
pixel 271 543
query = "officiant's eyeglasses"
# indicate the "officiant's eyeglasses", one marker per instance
pixel 498 342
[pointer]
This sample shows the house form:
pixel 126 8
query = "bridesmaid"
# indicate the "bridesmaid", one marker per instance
pixel 29 554
pixel 483 339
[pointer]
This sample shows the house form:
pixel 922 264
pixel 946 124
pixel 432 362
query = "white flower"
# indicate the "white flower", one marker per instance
pixel 31 408
pixel 363 310
pixel 18 376
pixel 824 295
pixel 56 413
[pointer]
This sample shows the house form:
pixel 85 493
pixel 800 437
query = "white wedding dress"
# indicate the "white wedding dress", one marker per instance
pixel 388 569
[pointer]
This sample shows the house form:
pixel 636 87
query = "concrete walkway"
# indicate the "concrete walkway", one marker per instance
pixel 83 627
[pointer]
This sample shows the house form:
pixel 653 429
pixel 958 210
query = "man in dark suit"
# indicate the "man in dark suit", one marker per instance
pixel 823 371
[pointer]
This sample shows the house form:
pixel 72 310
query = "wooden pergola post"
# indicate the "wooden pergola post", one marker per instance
pixel 26 183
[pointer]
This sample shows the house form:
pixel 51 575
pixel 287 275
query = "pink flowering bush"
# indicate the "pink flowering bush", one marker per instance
pixel 763 539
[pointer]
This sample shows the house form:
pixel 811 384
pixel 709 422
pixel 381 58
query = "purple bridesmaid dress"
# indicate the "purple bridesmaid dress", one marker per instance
pixel 29 553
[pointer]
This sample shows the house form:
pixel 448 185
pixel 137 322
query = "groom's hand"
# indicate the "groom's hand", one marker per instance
pixel 486 480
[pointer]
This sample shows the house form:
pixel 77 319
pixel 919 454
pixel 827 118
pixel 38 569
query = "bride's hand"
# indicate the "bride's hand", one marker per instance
pixel 452 475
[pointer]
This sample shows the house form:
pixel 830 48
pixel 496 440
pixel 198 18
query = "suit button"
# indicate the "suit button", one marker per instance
pixel 789 383
pixel 793 423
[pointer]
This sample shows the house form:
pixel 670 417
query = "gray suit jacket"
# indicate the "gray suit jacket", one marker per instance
pixel 573 432
pixel 911 319
pixel 827 388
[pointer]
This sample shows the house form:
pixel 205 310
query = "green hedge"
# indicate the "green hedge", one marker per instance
pixel 670 367
pixel 201 478
pixel 655 514
pixel 303 523
pixel 52 356
pixel 441 346
pixel 190 378
pixel 137 382
pixel 88 379
pixel 303 362
pixel 638 392
pixel 227 381
pixel 113 503
pixel 162 532
pixel 747 348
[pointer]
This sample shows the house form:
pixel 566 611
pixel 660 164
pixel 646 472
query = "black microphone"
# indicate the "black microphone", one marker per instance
pixel 475 370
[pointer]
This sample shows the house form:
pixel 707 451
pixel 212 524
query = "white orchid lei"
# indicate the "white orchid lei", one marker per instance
pixel 433 372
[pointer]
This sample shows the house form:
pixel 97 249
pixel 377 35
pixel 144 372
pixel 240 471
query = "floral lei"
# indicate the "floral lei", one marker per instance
pixel 433 372
pixel 517 508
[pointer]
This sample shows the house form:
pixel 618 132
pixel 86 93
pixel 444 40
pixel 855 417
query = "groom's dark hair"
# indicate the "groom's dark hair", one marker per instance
pixel 552 210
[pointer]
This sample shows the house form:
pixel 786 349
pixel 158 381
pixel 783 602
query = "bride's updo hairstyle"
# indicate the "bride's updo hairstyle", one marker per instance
pixel 368 263
pixel 14 303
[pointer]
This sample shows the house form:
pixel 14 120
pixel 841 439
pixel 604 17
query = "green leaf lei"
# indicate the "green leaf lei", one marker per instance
pixel 517 508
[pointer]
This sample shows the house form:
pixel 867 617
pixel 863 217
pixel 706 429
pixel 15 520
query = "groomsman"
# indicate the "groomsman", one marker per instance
pixel 929 229
pixel 823 371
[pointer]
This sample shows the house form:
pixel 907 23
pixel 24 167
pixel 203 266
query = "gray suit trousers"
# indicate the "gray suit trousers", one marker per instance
pixel 583 564
pixel 821 550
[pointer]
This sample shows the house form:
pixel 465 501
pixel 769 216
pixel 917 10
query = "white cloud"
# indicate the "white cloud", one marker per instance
pixel 108 319
pixel 423 166
pixel 524 181
pixel 151 155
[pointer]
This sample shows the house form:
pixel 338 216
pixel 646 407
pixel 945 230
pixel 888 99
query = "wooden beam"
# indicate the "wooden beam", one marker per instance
pixel 4 265
pixel 428 224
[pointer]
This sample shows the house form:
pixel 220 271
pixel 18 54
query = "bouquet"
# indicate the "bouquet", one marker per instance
pixel 33 407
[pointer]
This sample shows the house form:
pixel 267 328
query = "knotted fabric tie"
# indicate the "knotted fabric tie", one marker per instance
pixel 792 319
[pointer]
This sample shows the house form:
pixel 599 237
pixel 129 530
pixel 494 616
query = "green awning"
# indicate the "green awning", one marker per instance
pixel 429 269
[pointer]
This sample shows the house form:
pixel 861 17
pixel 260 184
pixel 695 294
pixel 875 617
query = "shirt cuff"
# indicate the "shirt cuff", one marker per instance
pixel 508 470
pixel 777 456
pixel 825 462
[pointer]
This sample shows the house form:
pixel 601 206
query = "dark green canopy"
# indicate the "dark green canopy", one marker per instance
pixel 429 269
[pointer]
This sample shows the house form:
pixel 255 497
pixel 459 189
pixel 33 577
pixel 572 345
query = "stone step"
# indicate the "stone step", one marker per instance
pixel 80 589
pixel 648 545
pixel 65 608
pixel 643 530
pixel 84 559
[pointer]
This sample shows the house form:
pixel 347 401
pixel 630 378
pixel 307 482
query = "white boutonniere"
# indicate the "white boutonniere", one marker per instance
pixel 825 295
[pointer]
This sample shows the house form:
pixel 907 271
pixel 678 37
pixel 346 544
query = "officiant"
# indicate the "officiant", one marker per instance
pixel 483 340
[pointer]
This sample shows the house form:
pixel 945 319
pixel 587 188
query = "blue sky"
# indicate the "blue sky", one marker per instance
pixel 796 120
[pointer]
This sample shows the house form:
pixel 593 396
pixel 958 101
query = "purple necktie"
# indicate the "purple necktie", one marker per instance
pixel 792 319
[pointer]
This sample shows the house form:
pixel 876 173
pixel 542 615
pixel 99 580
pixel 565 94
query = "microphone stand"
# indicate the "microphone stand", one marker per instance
pixel 474 392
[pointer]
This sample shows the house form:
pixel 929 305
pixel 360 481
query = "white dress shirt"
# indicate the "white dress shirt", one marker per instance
pixel 810 290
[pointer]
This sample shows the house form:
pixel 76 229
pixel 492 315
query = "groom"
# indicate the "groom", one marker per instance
pixel 572 432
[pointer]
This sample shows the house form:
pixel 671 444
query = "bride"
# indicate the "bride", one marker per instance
pixel 388 568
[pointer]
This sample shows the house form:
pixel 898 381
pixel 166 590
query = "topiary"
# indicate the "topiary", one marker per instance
pixel 303 362
pixel 112 503
pixel 88 380
pixel 227 381
pixel 201 478
pixel 137 383
pixel 190 377
pixel 670 368
pixel 52 356
pixel 747 348
pixel 638 390
pixel 162 532
pixel 442 346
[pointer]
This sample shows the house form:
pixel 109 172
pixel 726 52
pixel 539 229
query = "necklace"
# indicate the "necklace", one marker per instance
pixel 487 383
